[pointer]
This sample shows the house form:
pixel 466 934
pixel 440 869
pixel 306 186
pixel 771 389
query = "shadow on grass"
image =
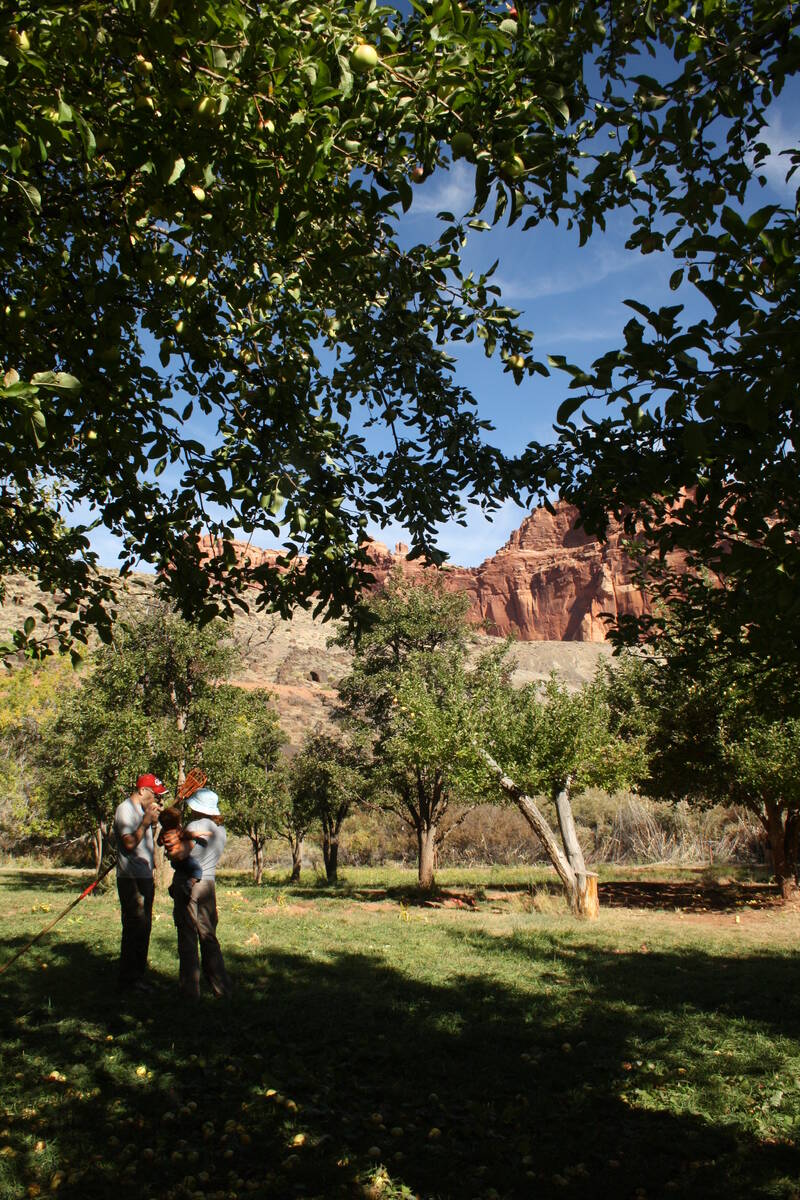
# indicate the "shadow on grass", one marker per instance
pixel 693 895
pixel 695 891
pixel 69 883
pixel 700 893
pixel 458 1088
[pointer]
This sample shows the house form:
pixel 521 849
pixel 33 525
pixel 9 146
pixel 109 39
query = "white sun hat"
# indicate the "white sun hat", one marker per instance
pixel 204 801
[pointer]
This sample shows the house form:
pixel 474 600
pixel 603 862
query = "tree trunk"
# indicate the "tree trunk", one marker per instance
pixel 588 898
pixel 297 859
pixel 580 899
pixel 330 855
pixel 97 847
pixel 258 858
pixel 792 843
pixel 426 842
pixel 163 870
pixel 587 903
pixel 783 848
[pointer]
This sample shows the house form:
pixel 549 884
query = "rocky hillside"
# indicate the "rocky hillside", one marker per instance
pixel 294 660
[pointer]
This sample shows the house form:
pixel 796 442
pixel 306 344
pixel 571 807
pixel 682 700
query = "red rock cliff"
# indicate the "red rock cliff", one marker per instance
pixel 550 582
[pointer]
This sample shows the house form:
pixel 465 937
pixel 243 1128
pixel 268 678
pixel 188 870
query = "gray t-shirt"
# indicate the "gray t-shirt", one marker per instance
pixel 138 862
pixel 207 856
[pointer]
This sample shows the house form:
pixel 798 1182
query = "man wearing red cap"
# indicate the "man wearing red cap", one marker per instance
pixel 133 832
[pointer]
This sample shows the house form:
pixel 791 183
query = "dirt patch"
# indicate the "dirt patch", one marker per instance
pixel 286 910
pixel 690 896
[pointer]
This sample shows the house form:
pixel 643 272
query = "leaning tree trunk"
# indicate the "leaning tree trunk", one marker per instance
pixel 297 858
pixel 782 839
pixel 426 845
pixel 587 903
pixel 579 902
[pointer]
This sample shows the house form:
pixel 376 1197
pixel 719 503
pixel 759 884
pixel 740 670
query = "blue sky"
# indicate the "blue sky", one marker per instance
pixel 571 297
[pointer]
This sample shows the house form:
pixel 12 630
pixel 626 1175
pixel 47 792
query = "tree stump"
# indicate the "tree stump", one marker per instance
pixel 588 900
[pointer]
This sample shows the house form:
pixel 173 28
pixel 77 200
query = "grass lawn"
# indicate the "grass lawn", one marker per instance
pixel 487 1046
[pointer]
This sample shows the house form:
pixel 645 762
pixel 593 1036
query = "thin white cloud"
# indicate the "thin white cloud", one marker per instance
pixel 590 268
pixel 780 135
pixel 452 192
pixel 579 333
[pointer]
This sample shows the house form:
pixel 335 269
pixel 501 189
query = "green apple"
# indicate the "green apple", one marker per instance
pixel 514 167
pixel 364 58
pixel 206 108
pixel 462 144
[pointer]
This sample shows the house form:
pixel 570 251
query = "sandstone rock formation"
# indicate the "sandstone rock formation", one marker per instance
pixel 550 582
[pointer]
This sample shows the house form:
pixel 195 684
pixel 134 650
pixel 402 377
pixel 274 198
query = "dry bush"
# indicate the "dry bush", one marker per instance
pixel 645 831
pixel 370 838
pixel 491 834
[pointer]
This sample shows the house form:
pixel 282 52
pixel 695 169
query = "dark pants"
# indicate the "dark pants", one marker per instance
pixel 195 919
pixel 136 902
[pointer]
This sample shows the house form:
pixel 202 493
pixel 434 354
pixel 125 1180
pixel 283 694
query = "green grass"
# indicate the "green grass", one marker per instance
pixel 498 1050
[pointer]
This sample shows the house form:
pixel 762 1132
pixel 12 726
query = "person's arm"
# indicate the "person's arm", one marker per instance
pixel 178 844
pixel 131 840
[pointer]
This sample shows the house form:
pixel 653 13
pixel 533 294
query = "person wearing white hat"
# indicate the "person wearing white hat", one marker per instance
pixel 195 913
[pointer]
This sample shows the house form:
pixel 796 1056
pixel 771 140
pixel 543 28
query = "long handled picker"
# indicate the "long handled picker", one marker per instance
pixel 192 783
pixel 86 892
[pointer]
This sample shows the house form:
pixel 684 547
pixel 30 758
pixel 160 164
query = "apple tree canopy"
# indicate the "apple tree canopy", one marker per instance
pixel 211 320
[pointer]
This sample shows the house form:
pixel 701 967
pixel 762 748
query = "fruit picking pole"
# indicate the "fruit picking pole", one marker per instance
pixel 87 891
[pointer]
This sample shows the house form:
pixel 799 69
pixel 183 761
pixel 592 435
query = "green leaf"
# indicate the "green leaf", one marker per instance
pixel 57 381
pixel 759 219
pixel 568 406
pixel 175 169
pixel 33 194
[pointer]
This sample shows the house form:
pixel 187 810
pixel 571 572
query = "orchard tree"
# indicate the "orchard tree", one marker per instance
pixel 411 692
pixel 29 697
pixel 210 304
pixel 89 756
pixel 543 739
pixel 294 818
pixel 172 669
pixel 719 728
pixel 147 703
pixel 688 428
pixel 331 772
pixel 200 199
pixel 245 765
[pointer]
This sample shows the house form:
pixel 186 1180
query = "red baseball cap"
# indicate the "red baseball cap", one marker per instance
pixel 152 782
